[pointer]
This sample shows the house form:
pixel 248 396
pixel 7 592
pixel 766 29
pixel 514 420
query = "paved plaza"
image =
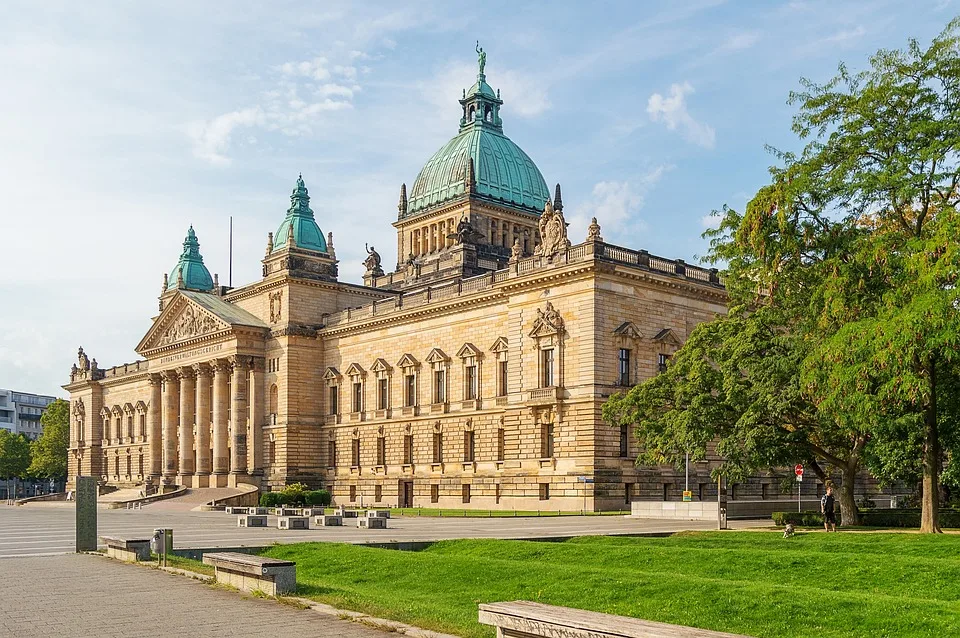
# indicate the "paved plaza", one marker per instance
pixel 67 594
pixel 48 529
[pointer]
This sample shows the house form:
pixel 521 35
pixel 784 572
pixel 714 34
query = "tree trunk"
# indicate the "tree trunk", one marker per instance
pixel 930 500
pixel 849 514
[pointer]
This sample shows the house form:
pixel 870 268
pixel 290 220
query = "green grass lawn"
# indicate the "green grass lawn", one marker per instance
pixel 756 583
pixel 474 513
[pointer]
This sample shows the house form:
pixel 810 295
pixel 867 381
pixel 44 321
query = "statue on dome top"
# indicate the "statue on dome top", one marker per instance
pixel 481 57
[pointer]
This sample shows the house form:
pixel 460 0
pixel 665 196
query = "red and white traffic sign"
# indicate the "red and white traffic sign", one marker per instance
pixel 798 470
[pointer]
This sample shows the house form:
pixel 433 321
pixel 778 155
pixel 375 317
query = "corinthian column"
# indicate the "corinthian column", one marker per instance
pixel 171 391
pixel 221 462
pixel 203 419
pixel 187 403
pixel 238 415
pixel 155 426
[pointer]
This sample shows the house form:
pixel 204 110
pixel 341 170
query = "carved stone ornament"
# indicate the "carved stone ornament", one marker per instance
pixel 78 410
pixel 190 323
pixel 593 232
pixel 372 262
pixel 276 301
pixel 516 251
pixel 548 322
pixel 553 232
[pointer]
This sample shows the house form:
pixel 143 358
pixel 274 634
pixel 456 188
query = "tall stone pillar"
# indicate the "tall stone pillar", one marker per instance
pixel 238 415
pixel 257 410
pixel 155 426
pixel 204 461
pixel 221 462
pixel 188 395
pixel 171 408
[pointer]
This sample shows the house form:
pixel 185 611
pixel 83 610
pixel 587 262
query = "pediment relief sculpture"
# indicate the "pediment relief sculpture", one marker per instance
pixel 190 323
pixel 548 322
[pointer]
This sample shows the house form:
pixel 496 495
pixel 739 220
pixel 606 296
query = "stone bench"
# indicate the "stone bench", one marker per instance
pixel 235 510
pixel 250 573
pixel 313 511
pixel 285 511
pixel 342 513
pixel 372 522
pixel 251 520
pixel 378 513
pixel 127 549
pixel 525 619
pixel 328 520
pixel 293 522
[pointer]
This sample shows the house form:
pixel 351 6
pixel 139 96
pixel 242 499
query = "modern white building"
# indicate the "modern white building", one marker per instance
pixel 20 412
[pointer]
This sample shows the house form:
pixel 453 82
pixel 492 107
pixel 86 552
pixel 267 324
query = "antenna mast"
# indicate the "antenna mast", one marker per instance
pixel 230 272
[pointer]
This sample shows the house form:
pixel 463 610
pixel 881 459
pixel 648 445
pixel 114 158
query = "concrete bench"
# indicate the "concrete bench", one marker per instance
pixel 313 511
pixel 235 510
pixel 378 513
pixel 342 513
pixel 372 522
pixel 525 619
pixel 293 522
pixel 328 521
pixel 285 511
pixel 250 573
pixel 257 511
pixel 131 550
pixel 251 520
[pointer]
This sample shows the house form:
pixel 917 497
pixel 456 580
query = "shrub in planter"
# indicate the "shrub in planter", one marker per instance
pixel 270 499
pixel 317 497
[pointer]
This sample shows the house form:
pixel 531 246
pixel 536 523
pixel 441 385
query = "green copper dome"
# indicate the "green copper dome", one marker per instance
pixel 502 171
pixel 306 233
pixel 195 274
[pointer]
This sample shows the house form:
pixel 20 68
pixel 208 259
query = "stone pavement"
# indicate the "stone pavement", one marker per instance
pixel 82 595
pixel 46 529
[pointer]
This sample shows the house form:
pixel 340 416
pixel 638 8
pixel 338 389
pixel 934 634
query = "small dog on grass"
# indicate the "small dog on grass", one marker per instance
pixel 788 530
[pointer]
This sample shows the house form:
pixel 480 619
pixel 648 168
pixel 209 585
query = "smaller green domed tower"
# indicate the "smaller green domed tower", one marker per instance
pixel 190 273
pixel 298 249
pixel 306 234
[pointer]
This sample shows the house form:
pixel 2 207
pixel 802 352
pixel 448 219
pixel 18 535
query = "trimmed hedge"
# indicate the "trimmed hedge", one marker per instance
pixel 315 497
pixel 869 518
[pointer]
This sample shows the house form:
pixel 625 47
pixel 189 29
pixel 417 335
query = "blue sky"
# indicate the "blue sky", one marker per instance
pixel 123 123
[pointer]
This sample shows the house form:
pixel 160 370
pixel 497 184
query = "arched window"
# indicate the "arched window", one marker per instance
pixel 473 112
pixel 488 115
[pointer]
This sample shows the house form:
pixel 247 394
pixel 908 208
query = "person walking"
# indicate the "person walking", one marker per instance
pixel 827 505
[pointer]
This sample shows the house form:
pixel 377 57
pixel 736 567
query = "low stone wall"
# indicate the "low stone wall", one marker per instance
pixel 119 505
pixel 250 498
pixel 690 510
pixel 58 496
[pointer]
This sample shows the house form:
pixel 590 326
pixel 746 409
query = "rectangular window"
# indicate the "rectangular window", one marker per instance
pixel 353 493
pixel 332 453
pixel 334 396
pixel 355 456
pixel 382 394
pixel 357 396
pixel 501 444
pixel 546 441
pixel 465 489
pixel 627 493
pixel 470 383
pixel 546 368
pixel 468 446
pixel 381 450
pixel 624 367
pixel 624 441
pixel 702 491
pixel 377 493
pixel 439 386
pixel 502 383
pixel 408 449
pixel 497 494
pixel 544 491
pixel 434 493
pixel 437 447
pixel 143 426
pixel 410 391
pixel 662 360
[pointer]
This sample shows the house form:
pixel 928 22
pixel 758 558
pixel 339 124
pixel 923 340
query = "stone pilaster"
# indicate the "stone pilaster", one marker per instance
pixel 171 408
pixel 188 394
pixel 257 411
pixel 239 414
pixel 204 461
pixel 155 426
pixel 221 460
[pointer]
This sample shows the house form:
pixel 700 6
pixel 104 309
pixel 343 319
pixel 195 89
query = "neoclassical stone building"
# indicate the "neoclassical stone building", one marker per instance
pixel 471 375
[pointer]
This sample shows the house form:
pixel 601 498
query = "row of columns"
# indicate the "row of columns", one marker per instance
pixel 184 397
pixel 432 237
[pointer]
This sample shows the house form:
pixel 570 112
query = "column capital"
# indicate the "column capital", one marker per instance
pixel 240 362
pixel 186 372
pixel 170 375
pixel 155 378
pixel 258 364
pixel 220 366
pixel 202 369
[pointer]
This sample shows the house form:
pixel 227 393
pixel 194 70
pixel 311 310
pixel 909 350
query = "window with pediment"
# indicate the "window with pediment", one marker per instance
pixel 357 375
pixel 439 364
pixel 627 339
pixel 470 357
pixel 117 424
pixel 547 333
pixel 105 416
pixel 332 378
pixel 381 371
pixel 666 344
pixel 500 351
pixel 409 370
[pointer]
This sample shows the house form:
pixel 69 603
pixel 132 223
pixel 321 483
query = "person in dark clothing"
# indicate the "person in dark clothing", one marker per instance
pixel 827 505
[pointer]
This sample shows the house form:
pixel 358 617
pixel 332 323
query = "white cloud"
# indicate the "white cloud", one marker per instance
pixel 672 111
pixel 711 221
pixel 845 36
pixel 739 41
pixel 616 206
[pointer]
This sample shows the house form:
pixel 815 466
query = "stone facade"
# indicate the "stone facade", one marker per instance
pixel 471 376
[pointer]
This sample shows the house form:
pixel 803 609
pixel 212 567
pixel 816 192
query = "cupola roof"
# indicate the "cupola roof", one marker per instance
pixel 190 273
pixel 306 234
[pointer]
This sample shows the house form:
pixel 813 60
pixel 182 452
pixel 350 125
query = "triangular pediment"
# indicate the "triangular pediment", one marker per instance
pixel 331 374
pixel 548 322
pixel 380 365
pixel 468 350
pixel 500 345
pixel 667 336
pixel 408 361
pixel 141 406
pixel 437 356
pixel 355 370
pixel 628 329
pixel 183 319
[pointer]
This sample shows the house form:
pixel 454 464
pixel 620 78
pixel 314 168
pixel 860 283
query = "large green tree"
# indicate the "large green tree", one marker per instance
pixel 14 456
pixel 49 451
